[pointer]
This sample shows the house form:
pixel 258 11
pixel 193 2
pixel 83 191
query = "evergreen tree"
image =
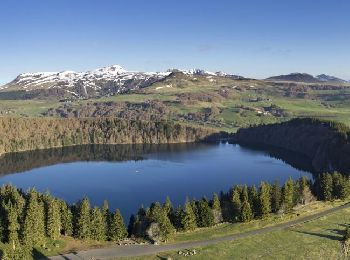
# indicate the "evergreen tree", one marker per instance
pixel 106 218
pixel 265 200
pixel 66 219
pixel 158 215
pixel 34 223
pixel 206 217
pixel 216 203
pixel 326 186
pixel 246 213
pixel 177 218
pixel 83 220
pixel 53 218
pixel 340 186
pixel 168 206
pixel 12 226
pixel 276 196
pixel 189 219
pixel 118 229
pixel 236 203
pixel 97 225
pixel 245 194
pixel 288 194
pixel 254 200
pixel 131 224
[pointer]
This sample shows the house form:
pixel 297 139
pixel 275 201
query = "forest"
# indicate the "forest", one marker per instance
pixel 325 143
pixel 23 134
pixel 28 219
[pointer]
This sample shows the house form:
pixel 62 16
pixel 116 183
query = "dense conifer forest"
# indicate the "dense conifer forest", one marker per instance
pixel 21 134
pixel 325 143
pixel 29 219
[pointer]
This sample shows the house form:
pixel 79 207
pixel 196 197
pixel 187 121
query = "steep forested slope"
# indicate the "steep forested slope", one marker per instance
pixel 326 143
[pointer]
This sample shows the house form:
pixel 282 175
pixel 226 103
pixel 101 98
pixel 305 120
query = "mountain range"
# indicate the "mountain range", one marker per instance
pixel 115 79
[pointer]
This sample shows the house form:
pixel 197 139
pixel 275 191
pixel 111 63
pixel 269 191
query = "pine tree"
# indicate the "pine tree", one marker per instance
pixel 276 196
pixel 189 219
pixel 118 229
pixel 288 195
pixel 177 218
pixel 158 215
pixel 265 200
pixel 168 206
pixel 97 225
pixel 326 186
pixel 340 186
pixel 34 222
pixel 106 218
pixel 12 226
pixel 236 203
pixel 245 194
pixel 83 220
pixel 246 213
pixel 216 203
pixel 66 219
pixel 254 200
pixel 53 218
pixel 206 217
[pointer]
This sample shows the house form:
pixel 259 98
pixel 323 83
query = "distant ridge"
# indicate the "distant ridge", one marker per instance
pixel 308 78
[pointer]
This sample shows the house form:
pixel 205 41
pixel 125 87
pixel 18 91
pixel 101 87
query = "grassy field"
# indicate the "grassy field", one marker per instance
pixel 317 239
pixel 233 103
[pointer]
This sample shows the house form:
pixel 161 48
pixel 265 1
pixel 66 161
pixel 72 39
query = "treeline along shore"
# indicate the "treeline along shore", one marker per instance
pixel 23 134
pixel 28 220
pixel 325 143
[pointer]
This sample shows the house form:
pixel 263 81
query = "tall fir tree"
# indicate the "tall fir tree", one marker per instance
pixel 34 222
pixel 53 217
pixel 246 212
pixel 97 225
pixel 168 206
pixel 83 220
pixel 236 203
pixel 254 200
pixel 106 218
pixel 118 229
pixel 326 186
pixel 206 216
pixel 66 219
pixel 216 205
pixel 189 222
pixel 13 226
pixel 158 215
pixel 276 196
pixel 288 195
pixel 265 200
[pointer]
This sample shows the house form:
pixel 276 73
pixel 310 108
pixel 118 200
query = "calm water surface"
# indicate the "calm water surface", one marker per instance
pixel 130 176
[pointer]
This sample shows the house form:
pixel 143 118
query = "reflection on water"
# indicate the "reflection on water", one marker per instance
pixel 131 175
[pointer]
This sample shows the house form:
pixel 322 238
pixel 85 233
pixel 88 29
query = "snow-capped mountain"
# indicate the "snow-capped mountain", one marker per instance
pixel 201 72
pixel 108 80
pixel 104 81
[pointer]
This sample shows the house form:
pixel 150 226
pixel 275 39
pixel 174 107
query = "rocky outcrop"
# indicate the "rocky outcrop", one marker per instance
pixel 325 143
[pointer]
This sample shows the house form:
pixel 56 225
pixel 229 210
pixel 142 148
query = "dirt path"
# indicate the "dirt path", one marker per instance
pixel 139 250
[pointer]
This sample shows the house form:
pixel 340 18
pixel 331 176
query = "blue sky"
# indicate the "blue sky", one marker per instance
pixel 251 38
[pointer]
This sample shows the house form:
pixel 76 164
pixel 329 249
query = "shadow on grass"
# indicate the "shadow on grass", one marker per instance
pixel 337 237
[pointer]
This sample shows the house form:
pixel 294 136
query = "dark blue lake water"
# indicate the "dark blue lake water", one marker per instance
pixel 130 176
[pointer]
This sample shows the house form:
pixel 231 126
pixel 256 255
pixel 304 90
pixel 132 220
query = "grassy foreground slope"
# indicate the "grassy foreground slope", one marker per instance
pixel 317 239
